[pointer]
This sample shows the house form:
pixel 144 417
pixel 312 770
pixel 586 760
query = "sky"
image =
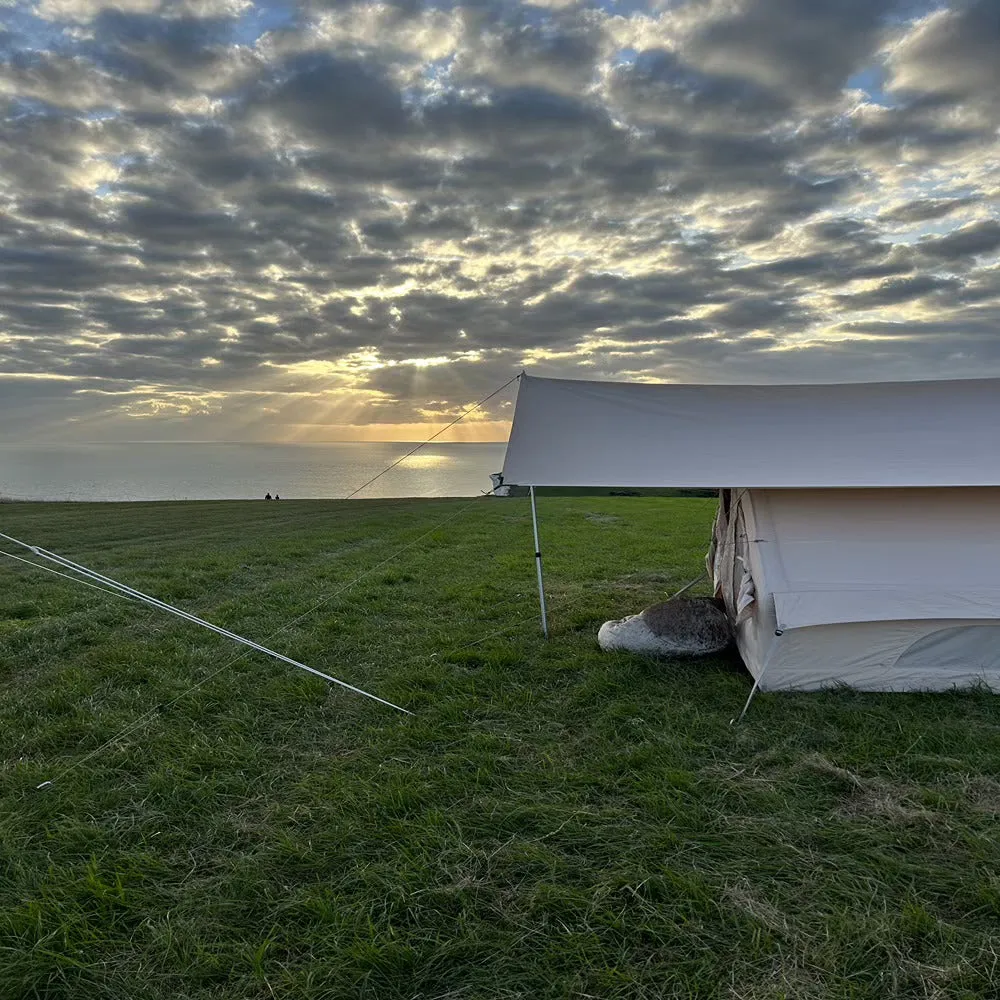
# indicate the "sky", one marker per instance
pixel 337 220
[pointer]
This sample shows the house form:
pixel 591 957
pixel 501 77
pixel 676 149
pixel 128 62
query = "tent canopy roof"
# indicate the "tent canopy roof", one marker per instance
pixel 871 434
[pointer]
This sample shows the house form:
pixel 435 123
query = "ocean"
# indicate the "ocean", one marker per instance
pixel 200 471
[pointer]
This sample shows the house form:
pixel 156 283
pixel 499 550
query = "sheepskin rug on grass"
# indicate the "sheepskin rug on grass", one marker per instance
pixel 681 627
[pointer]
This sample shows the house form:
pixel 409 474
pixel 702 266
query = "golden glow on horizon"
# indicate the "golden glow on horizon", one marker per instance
pixel 482 432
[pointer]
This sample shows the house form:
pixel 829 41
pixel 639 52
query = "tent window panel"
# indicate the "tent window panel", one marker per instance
pixel 846 564
pixel 962 649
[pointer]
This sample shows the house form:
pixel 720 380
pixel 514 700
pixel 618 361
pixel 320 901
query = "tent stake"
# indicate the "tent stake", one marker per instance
pixel 753 691
pixel 750 697
pixel 538 563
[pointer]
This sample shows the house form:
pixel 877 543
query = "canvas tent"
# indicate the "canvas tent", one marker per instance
pixel 857 539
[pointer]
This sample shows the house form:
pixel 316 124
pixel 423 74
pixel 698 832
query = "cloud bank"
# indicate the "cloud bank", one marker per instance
pixel 227 220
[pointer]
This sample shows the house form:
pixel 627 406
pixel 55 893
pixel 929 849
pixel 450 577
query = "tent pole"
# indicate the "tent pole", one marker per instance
pixel 538 563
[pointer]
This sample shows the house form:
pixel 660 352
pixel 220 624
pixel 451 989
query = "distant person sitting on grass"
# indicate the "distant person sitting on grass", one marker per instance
pixel 267 496
pixel 276 497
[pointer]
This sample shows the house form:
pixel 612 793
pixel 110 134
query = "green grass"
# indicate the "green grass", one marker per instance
pixel 552 823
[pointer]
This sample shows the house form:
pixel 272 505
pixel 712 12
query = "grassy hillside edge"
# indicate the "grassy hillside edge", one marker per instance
pixel 554 822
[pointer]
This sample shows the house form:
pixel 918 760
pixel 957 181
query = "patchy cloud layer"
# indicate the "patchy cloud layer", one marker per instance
pixel 223 219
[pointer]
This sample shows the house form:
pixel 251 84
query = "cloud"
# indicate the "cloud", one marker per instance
pixel 86 11
pixel 326 97
pixel 952 52
pixel 925 209
pixel 976 238
pixel 226 215
pixel 802 47
pixel 508 47
pixel 894 291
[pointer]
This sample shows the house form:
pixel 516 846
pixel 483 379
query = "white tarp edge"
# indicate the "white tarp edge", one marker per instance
pixel 925 433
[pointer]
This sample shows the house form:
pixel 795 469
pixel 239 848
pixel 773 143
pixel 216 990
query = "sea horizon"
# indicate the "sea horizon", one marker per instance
pixel 150 471
pixel 281 444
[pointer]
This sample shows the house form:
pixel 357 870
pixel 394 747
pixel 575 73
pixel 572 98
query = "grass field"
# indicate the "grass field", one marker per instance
pixel 552 822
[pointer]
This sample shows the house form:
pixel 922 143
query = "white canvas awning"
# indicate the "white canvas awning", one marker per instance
pixel 875 434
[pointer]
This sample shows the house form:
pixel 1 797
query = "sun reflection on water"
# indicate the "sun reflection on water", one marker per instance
pixel 428 461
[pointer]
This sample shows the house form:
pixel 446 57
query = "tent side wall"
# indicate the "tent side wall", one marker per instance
pixel 891 589
pixel 927 655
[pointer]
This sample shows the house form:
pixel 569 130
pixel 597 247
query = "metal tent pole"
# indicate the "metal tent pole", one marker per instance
pixel 538 563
